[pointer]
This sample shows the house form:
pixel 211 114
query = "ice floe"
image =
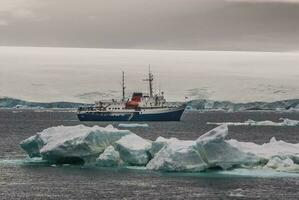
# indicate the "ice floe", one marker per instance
pixel 135 125
pixel 178 156
pixel 269 150
pixel 134 150
pixel 109 158
pixel 110 147
pixel 208 151
pixel 284 122
pixel 72 143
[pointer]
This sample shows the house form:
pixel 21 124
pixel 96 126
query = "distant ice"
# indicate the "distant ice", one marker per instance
pixel 135 125
pixel 110 147
pixel 84 74
pixel 284 122
pixel 287 105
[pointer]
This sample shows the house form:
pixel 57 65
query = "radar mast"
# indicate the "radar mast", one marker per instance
pixel 150 80
pixel 123 85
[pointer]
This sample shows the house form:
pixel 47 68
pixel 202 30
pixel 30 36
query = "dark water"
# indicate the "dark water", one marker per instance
pixel 27 181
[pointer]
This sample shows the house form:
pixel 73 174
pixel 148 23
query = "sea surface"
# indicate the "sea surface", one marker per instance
pixel 20 179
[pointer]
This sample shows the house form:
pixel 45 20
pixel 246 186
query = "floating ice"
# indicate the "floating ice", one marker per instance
pixel 269 150
pixel 160 143
pixel 110 147
pixel 133 125
pixel 218 153
pixel 210 105
pixel 134 150
pixel 73 143
pixel 285 122
pixel 208 151
pixel 109 158
pixel 178 156
pixel 237 193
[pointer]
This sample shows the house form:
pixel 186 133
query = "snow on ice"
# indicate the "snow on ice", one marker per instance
pixel 284 122
pixel 110 147
pixel 133 125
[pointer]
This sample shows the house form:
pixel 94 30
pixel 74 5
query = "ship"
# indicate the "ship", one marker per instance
pixel 141 107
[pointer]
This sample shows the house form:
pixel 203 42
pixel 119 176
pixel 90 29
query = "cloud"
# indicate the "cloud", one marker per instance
pixel 91 17
pixel 19 9
pixel 3 22
pixel 265 1
pixel 23 14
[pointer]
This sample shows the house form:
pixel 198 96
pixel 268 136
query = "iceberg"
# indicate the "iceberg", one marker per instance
pixel 109 158
pixel 219 153
pixel 282 164
pixel 72 144
pixel 160 143
pixel 6 102
pixel 269 150
pixel 211 105
pixel 178 156
pixel 110 147
pixel 250 122
pixel 134 150
pixel 133 125
pixel 208 151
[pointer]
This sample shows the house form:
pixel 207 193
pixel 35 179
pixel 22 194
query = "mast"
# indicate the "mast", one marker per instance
pixel 150 80
pixel 123 85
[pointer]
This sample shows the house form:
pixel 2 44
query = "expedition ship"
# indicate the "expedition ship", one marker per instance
pixel 141 107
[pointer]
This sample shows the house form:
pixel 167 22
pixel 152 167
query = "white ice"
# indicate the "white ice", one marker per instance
pixel 109 158
pixel 135 125
pixel 269 150
pixel 62 142
pixel 284 122
pixel 134 150
pixel 108 146
pixel 208 151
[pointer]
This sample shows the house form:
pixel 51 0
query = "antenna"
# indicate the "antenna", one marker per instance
pixel 150 80
pixel 123 85
pixel 159 87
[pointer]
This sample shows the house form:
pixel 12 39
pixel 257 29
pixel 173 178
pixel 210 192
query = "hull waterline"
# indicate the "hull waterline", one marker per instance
pixel 171 115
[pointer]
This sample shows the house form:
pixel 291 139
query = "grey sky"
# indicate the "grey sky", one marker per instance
pixel 254 25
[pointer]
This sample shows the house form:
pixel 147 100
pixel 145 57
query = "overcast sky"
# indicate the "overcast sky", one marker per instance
pixel 247 25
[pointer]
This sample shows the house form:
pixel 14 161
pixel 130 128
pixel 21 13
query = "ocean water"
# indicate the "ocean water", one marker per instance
pixel 21 179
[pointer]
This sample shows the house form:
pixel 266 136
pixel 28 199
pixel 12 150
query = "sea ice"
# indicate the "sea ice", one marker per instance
pixel 72 143
pixel 109 147
pixel 134 150
pixel 216 152
pixel 178 156
pixel 109 158
pixel 208 151
pixel 269 150
pixel 160 143
pixel 250 122
pixel 133 125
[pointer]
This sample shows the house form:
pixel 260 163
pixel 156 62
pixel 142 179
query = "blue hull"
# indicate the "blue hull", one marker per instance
pixel 134 116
